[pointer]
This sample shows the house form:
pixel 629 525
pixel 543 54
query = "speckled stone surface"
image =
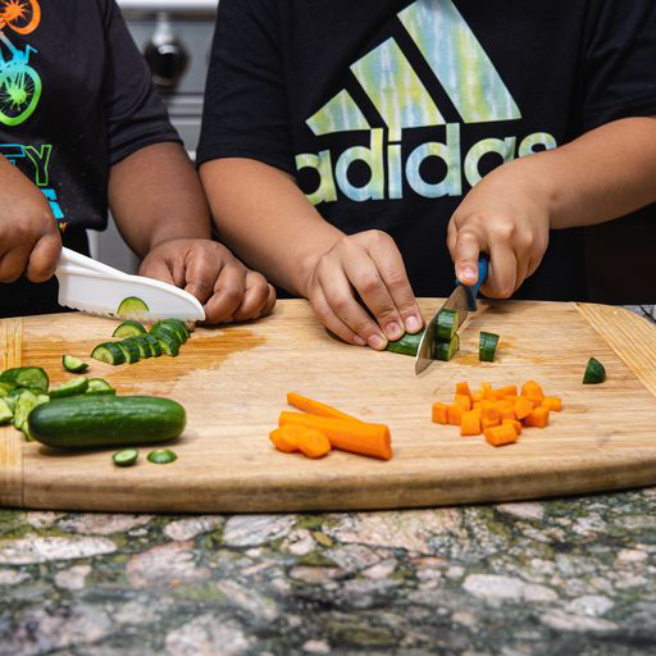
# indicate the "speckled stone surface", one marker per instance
pixel 561 577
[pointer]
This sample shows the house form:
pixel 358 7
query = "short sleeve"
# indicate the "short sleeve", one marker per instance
pixel 246 111
pixel 136 115
pixel 619 61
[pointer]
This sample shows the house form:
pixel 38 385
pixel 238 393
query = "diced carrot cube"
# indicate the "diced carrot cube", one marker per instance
pixel 454 414
pixel 501 435
pixel 511 398
pixel 490 409
pixel 464 401
pixel 476 397
pixel 508 390
pixel 477 405
pixel 531 388
pixel 490 422
pixel 523 407
pixel 553 403
pixel 517 425
pixel 471 423
pixel 440 413
pixel 463 389
pixel 539 418
pixel 506 410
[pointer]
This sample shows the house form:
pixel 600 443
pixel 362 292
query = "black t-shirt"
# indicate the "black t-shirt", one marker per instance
pixel 76 97
pixel 388 111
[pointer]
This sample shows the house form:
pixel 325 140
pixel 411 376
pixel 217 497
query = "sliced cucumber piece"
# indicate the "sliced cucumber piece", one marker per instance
pixel 129 329
pixel 445 349
pixel 6 414
pixel 5 388
pixel 24 405
pixel 162 456
pixel 26 377
pixel 170 345
pixel 180 328
pixel 132 348
pixel 487 346
pixel 126 457
pixel 155 346
pixel 131 307
pixel 447 324
pixel 109 352
pixel 407 345
pixel 595 372
pixel 70 388
pixel 74 365
pixel 160 328
pixel 99 386
pixel 143 346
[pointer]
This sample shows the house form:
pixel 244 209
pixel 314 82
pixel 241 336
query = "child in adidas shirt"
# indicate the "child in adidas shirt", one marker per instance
pixel 81 128
pixel 357 151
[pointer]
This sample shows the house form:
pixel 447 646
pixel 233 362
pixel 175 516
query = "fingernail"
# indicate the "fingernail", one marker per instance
pixel 412 324
pixel 358 341
pixel 377 342
pixel 393 331
pixel 468 275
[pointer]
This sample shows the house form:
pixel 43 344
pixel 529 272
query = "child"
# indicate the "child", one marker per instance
pixel 81 127
pixel 357 150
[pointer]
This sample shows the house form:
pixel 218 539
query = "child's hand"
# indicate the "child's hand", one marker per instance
pixel 506 217
pixel 226 288
pixel 367 265
pixel 29 239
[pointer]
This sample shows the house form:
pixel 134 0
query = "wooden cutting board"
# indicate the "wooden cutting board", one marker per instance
pixel 233 383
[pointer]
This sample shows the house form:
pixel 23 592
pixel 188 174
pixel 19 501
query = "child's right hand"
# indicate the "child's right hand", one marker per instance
pixel 367 265
pixel 29 238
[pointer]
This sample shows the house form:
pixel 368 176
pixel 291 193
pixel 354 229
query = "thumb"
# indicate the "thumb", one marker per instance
pixel 465 256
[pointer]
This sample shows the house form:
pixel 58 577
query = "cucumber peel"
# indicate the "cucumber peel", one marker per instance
pixel 70 388
pixel 26 377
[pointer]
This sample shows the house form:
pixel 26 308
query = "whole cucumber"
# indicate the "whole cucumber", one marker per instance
pixel 91 421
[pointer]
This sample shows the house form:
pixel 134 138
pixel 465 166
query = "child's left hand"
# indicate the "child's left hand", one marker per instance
pixel 208 270
pixel 506 215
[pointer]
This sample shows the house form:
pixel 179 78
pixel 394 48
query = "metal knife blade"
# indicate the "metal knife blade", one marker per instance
pixel 96 288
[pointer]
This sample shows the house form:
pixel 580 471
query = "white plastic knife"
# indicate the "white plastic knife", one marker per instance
pixel 93 287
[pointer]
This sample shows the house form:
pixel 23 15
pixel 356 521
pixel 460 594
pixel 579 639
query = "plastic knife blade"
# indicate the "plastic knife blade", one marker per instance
pixel 96 288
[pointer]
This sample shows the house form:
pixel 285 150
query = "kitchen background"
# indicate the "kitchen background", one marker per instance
pixel 175 36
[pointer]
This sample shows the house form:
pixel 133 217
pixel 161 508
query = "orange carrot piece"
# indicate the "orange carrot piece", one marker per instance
pixel 477 405
pixel 539 418
pixel 508 390
pixel 464 401
pixel 355 436
pixel 553 403
pixel 490 409
pixel 531 388
pixel 314 444
pixel 316 408
pixel 439 413
pixel 454 414
pixel 487 393
pixel 501 435
pixel 471 423
pixel 286 439
pixel 510 398
pixel 523 407
pixel 476 397
pixel 462 389
pixel 517 425
pixel 506 410
pixel 490 422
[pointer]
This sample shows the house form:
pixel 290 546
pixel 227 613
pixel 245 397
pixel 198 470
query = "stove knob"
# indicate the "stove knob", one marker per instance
pixel 168 60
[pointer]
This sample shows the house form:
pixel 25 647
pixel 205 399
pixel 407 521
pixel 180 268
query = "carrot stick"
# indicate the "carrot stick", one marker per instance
pixel 313 443
pixel 355 436
pixel 316 408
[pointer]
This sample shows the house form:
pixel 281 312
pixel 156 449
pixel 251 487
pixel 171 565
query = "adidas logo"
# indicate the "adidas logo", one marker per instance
pixel 402 101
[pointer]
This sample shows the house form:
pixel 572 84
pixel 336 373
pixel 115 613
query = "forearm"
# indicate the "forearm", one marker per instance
pixel 264 217
pixel 155 196
pixel 607 173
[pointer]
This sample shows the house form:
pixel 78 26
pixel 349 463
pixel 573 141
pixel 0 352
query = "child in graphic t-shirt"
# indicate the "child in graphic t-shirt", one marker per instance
pixel 357 151
pixel 81 129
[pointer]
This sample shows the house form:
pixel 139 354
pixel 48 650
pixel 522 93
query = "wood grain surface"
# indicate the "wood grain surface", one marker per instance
pixel 233 383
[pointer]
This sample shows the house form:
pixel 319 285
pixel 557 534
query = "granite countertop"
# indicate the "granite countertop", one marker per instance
pixel 560 577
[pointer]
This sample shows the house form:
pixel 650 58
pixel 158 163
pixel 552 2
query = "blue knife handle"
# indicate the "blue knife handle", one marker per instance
pixel 472 292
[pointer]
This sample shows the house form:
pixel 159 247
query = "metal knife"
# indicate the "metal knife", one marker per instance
pixel 93 287
pixel 463 301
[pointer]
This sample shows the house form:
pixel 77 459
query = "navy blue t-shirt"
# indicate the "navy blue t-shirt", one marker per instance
pixel 389 111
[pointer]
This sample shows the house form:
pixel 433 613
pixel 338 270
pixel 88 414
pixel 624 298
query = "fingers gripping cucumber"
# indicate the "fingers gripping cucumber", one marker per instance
pixel 94 421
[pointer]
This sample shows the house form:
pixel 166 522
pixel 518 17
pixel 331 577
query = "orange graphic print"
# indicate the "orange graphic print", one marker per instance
pixel 22 16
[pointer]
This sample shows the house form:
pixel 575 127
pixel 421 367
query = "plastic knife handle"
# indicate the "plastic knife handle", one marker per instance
pixel 472 292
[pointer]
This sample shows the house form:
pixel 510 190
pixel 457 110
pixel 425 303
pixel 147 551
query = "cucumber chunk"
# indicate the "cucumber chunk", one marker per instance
pixel 131 350
pixel 170 345
pixel 180 328
pixel 70 388
pixel 74 365
pixel 487 346
pixel 109 352
pixel 126 457
pixel 445 349
pixel 99 386
pixel 595 372
pixel 6 414
pixel 407 345
pixel 447 324
pixel 144 347
pixel 131 307
pixel 160 328
pixel 26 377
pixel 162 456
pixel 25 403
pixel 155 346
pixel 129 329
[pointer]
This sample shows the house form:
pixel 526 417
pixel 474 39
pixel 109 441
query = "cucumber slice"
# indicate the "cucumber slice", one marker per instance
pixel 155 346
pixel 143 346
pixel 99 386
pixel 24 405
pixel 126 457
pixel 129 329
pixel 74 365
pixel 180 328
pixel 170 345
pixel 447 324
pixel 6 414
pixel 109 352
pixel 445 349
pixel 131 307
pixel 132 348
pixel 407 345
pixel 487 346
pixel 595 372
pixel 160 328
pixel 70 388
pixel 26 377
pixel 162 456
